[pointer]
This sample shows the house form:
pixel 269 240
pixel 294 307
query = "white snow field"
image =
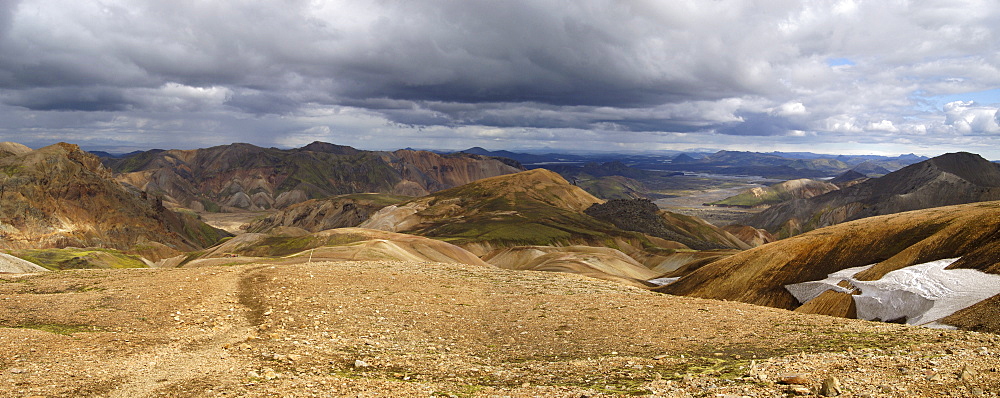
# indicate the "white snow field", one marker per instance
pixel 922 293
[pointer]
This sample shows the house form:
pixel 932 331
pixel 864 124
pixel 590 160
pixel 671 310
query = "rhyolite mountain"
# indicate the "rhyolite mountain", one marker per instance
pixel 949 179
pixel 246 177
pixel 60 196
pixel 970 232
pixel 536 207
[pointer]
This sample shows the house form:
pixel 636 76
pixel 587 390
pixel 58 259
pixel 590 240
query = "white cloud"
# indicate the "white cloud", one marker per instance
pixel 790 109
pixel 968 118
pixel 883 125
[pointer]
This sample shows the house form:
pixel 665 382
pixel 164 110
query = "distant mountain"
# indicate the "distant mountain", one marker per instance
pixel 890 242
pixel 777 193
pixel 60 196
pixel 778 165
pixel 948 179
pixel 108 155
pixel 247 177
pixel 848 178
pixel 608 180
pixel 870 168
pixel 683 158
pixel 526 158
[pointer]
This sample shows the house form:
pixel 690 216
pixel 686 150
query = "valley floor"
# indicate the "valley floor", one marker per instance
pixel 426 329
pixel 692 203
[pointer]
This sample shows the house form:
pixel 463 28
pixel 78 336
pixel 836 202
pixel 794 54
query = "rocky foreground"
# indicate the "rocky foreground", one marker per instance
pixel 427 329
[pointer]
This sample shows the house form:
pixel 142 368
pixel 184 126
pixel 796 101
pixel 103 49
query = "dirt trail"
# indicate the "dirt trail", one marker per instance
pixel 215 322
pixel 427 329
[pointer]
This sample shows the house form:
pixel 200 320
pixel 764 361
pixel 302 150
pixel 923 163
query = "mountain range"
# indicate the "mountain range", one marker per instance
pixel 953 178
pixel 65 208
pixel 246 177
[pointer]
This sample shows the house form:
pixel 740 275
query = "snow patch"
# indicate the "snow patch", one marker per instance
pixel 662 281
pixel 922 293
pixel 806 291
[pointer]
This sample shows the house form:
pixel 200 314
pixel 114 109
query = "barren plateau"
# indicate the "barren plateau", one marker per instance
pixel 402 329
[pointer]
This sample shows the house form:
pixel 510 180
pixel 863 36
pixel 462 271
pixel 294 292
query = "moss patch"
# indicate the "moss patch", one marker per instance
pixel 58 328
pixel 74 258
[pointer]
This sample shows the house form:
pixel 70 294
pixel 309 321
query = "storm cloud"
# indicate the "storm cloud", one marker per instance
pixel 844 75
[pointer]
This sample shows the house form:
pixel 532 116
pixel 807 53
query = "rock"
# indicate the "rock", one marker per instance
pixel 253 374
pixel 270 374
pixel 966 374
pixel 294 357
pixel 752 370
pixel 661 357
pixel 800 390
pixel 830 387
pixel 796 379
pixel 360 364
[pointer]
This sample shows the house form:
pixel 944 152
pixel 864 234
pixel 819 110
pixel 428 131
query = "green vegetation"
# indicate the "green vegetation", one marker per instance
pixel 382 199
pixel 57 328
pixel 210 206
pixel 75 258
pixel 753 198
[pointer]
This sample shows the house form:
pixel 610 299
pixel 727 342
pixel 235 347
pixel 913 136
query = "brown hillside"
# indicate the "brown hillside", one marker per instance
pixel 595 262
pixel 60 196
pixel 751 236
pixel 891 242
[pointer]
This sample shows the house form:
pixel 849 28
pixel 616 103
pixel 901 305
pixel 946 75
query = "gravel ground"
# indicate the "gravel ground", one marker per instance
pixel 392 329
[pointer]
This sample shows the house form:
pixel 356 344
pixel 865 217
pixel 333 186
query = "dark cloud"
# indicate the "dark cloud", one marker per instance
pixel 69 99
pixel 760 124
pixel 486 70
pixel 7 8
pixel 263 103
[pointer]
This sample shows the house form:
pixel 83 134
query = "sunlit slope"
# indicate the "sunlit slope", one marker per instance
pixel 355 244
pixel 890 242
pixel 60 196
pixel 771 195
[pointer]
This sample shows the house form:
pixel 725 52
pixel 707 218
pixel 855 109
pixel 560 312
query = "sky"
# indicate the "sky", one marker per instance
pixel 830 76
